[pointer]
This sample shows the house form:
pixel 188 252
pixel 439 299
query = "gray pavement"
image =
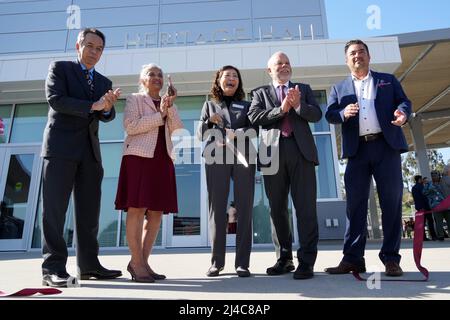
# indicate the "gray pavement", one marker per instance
pixel 185 270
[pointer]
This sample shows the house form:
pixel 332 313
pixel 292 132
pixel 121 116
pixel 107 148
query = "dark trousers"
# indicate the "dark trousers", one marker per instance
pixel 374 158
pixel 298 176
pixel 60 176
pixel 218 178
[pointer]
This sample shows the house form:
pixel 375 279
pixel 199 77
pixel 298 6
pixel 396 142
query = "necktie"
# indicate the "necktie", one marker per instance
pixel 286 127
pixel 90 82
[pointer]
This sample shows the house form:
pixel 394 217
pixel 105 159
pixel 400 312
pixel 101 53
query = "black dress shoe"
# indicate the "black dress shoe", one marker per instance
pixel 304 271
pixel 61 280
pixel 281 267
pixel 213 271
pixel 100 273
pixel 243 272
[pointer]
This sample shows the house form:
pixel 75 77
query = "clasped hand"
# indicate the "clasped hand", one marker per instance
pixel 292 99
pixel 107 101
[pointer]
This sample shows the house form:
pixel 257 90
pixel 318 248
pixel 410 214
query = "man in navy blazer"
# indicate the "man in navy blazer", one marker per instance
pixel 78 97
pixel 371 107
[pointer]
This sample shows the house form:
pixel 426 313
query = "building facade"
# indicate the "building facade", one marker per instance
pixel 190 40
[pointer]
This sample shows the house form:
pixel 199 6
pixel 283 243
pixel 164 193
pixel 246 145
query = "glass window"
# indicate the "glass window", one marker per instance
pixel 322 125
pixel 68 225
pixel 190 109
pixel 113 130
pixel 5 122
pixel 187 221
pixel 15 199
pixel 109 217
pixel 29 122
pixel 262 232
pixel 325 174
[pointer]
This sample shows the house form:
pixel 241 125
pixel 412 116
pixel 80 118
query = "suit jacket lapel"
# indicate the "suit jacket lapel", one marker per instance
pixel 149 102
pixel 223 111
pixel 376 81
pixel 272 93
pixel 80 75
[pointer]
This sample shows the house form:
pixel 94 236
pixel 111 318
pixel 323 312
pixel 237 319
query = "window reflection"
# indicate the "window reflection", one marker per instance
pixel 29 122
pixel 187 221
pixel 15 198
pixel 322 125
pixel 113 130
pixel 5 122
pixel 325 174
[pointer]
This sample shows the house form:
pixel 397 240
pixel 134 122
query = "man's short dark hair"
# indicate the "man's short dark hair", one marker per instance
pixel 417 178
pixel 82 34
pixel 356 41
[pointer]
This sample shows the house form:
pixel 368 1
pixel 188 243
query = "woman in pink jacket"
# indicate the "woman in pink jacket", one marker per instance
pixel 147 186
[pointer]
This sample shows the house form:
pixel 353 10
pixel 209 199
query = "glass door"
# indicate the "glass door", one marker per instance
pixel 187 228
pixel 20 174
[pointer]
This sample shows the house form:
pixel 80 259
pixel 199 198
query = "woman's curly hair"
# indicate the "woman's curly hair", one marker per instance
pixel 216 90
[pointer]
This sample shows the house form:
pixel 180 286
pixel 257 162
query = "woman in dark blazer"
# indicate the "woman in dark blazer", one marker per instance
pixel 226 127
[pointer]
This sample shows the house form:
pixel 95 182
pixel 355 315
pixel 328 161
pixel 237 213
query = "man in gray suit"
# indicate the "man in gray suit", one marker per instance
pixel 283 110
pixel 78 97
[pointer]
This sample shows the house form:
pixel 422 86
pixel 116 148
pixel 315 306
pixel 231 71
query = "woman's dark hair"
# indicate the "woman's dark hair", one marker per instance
pixel 216 90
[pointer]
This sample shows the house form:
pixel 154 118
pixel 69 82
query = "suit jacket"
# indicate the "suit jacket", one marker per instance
pixel 265 111
pixel 389 97
pixel 234 117
pixel 142 121
pixel 71 126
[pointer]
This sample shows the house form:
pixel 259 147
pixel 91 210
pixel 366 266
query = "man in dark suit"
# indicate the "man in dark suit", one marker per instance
pixel 78 97
pixel 421 203
pixel 371 108
pixel 283 110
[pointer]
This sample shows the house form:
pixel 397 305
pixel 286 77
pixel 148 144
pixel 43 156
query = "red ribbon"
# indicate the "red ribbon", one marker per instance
pixel 30 291
pixel 419 227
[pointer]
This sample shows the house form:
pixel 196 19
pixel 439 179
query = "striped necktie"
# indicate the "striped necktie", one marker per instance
pixel 90 81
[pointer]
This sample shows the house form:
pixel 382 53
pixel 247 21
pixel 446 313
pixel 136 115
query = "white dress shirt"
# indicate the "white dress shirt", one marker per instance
pixel 366 94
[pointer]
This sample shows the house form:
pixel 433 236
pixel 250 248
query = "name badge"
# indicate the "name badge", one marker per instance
pixel 237 106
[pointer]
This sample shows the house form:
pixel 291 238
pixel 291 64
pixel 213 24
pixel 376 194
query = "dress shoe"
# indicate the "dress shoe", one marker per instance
pixel 155 275
pixel 57 280
pixel 346 267
pixel 213 271
pixel 304 271
pixel 134 277
pixel 243 272
pixel 101 274
pixel 281 267
pixel 393 269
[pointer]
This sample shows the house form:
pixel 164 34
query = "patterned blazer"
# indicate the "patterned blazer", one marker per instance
pixel 141 122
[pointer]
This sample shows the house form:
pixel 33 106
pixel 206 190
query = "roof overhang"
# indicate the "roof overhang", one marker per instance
pixel 317 62
pixel 425 77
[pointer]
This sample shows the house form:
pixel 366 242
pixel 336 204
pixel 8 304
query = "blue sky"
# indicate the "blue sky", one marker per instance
pixel 348 19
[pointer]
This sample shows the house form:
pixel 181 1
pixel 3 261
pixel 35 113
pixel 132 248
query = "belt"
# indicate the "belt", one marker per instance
pixel 371 137
pixel 288 137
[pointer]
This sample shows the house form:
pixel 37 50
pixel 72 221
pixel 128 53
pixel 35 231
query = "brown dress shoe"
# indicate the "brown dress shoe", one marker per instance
pixel 346 267
pixel 393 269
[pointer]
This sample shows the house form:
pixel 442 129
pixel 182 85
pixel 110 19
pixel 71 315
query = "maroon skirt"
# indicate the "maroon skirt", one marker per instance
pixel 148 182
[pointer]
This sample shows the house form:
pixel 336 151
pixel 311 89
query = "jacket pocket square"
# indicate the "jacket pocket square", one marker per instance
pixel 382 84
